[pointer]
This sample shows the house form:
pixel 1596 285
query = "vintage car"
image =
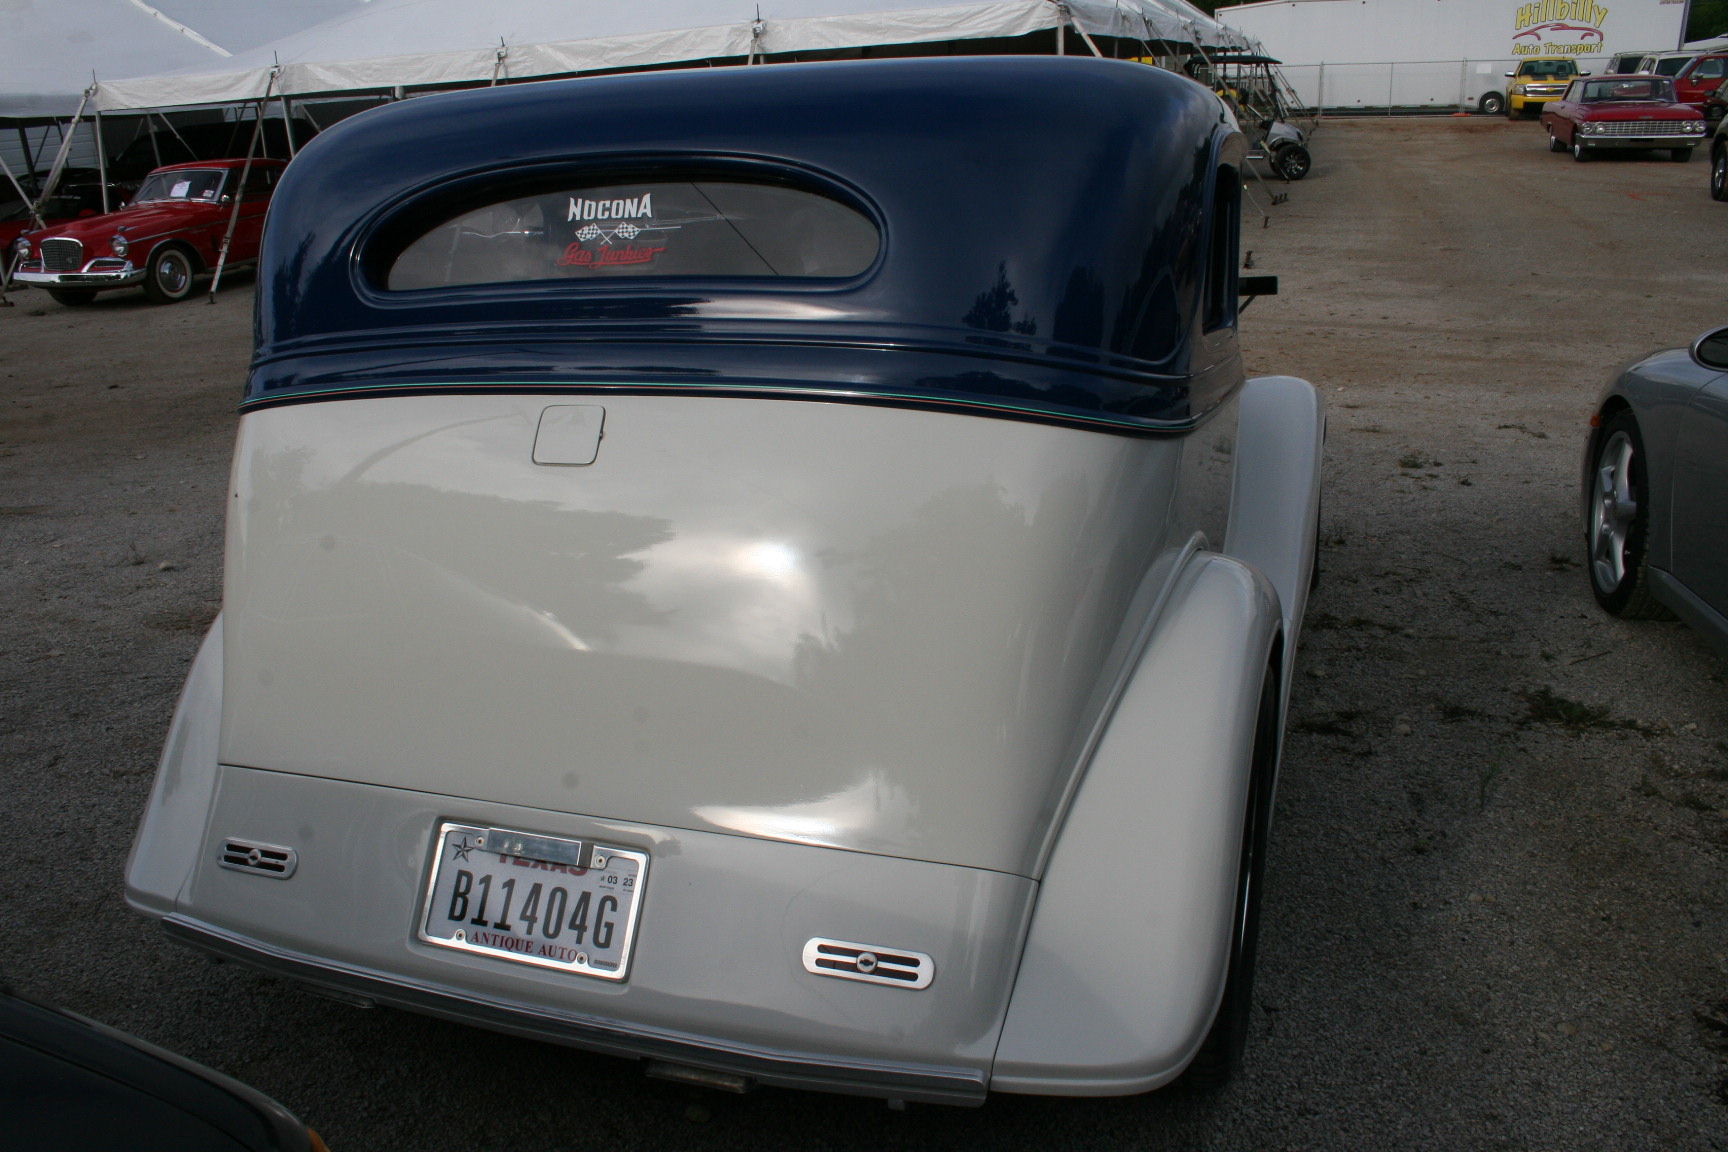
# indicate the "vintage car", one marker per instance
pixel 1530 86
pixel 728 568
pixel 1655 484
pixel 169 233
pixel 77 196
pixel 1622 112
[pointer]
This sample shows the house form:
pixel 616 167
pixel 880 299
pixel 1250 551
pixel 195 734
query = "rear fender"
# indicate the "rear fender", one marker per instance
pixel 168 840
pixel 1130 938
pixel 1275 502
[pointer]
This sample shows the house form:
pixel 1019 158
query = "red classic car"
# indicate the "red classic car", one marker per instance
pixel 168 233
pixel 1622 112
pixel 79 195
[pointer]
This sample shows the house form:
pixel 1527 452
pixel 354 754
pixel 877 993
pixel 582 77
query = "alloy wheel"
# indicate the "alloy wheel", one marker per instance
pixel 1615 507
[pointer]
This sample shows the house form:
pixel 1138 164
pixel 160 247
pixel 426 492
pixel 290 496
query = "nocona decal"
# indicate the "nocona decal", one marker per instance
pixel 608 221
pixel 611 209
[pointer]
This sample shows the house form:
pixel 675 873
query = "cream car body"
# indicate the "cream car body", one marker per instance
pixel 845 603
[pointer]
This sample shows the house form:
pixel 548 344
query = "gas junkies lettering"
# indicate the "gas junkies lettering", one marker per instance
pixel 581 257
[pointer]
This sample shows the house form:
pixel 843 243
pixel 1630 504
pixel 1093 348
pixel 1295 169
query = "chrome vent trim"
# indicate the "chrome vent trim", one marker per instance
pixel 270 860
pixel 62 255
pixel 873 963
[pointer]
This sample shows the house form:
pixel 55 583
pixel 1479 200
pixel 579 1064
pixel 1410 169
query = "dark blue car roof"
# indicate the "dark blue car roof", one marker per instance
pixel 1042 220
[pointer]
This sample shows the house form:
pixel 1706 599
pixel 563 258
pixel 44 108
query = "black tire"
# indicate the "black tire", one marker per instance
pixel 1220 1054
pixel 1291 161
pixel 171 274
pixel 1492 103
pixel 1579 152
pixel 1719 172
pixel 1618 523
pixel 1554 144
pixel 72 297
pixel 1679 155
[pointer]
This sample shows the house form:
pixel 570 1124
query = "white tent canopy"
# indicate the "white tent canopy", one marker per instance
pixel 51 50
pixel 419 43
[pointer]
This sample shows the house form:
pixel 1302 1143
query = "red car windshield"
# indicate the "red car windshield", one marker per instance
pixel 1643 88
pixel 182 184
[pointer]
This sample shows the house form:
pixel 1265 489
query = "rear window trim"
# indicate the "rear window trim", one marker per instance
pixel 422 209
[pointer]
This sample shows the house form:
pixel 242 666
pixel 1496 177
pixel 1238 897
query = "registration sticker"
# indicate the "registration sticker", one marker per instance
pixel 545 900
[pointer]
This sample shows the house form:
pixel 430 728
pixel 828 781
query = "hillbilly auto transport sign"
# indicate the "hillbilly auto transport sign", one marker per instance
pixel 1558 28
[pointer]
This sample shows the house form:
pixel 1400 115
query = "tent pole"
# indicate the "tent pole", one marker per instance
pixel 1088 39
pixel 34 215
pixel 65 147
pixel 240 191
pixel 288 126
pixel 1064 17
pixel 101 163
pixel 190 154
pixel 757 27
pixel 29 160
pixel 9 261
pixel 155 150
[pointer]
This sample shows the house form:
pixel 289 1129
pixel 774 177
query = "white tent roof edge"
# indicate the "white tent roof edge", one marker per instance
pixel 217 84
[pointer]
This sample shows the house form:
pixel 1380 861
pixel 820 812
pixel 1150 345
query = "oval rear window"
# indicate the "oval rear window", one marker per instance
pixel 657 229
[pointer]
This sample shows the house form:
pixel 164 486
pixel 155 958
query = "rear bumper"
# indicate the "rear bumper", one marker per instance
pixel 716 979
pixel 964 1087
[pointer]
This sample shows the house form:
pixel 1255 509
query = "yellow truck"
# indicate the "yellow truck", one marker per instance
pixel 1530 87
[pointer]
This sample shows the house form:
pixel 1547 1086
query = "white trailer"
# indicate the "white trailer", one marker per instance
pixel 1410 54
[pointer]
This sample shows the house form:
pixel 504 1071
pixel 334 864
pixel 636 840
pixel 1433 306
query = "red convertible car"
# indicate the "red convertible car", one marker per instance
pixel 168 233
pixel 1622 112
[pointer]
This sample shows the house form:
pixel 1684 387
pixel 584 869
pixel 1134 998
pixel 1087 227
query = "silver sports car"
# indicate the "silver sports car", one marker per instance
pixel 1656 489
pixel 775 572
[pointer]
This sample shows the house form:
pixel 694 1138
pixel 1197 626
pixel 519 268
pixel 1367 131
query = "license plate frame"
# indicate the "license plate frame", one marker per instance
pixel 591 940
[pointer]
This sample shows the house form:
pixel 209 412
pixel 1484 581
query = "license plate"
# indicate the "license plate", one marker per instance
pixel 546 900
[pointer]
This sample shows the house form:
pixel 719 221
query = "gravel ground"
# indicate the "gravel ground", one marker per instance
pixel 1496 913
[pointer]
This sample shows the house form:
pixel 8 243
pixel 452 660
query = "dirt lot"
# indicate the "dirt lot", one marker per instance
pixel 1497 910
